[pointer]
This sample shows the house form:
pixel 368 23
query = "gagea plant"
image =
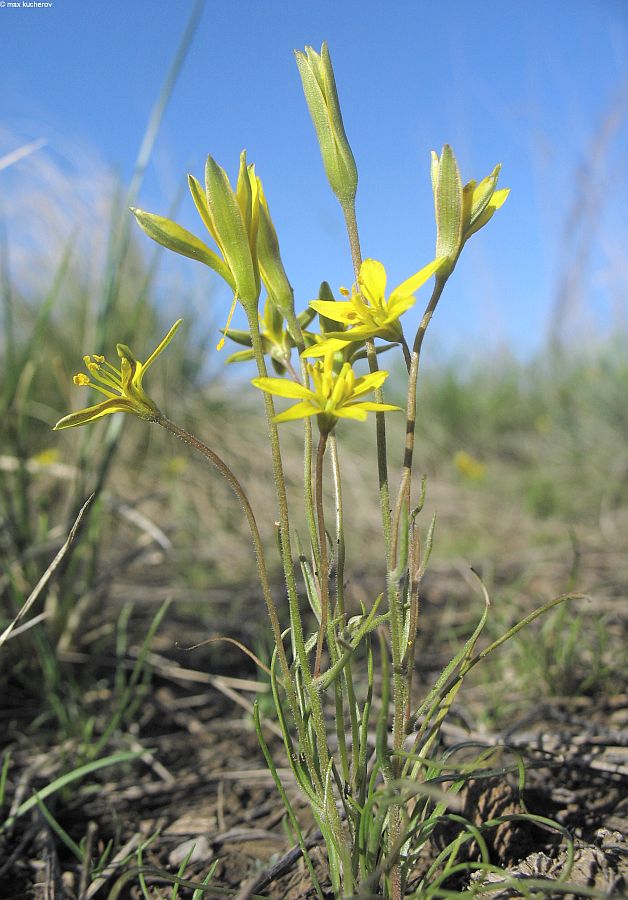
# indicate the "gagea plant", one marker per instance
pixel 362 748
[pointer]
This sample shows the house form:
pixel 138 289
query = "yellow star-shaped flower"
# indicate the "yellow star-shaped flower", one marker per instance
pixel 122 387
pixel 334 395
pixel 368 312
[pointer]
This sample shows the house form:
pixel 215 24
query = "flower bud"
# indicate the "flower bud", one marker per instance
pixel 234 217
pixel 460 211
pixel 270 265
pixel 319 86
pixel 447 187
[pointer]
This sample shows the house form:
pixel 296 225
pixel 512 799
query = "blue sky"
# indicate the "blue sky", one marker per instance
pixel 529 84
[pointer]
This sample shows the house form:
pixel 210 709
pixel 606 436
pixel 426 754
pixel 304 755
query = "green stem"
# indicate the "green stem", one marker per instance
pixel 399 693
pixel 323 574
pixel 240 493
pixel 351 222
pixel 286 553
pixel 406 474
pixel 340 530
pixel 380 420
pixel 297 335
pixel 339 611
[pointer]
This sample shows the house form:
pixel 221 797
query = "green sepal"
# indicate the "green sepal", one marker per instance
pixel 319 87
pixel 279 368
pixel 304 318
pixel 269 257
pixel 200 201
pixel 241 356
pixel 484 191
pixel 244 196
pixel 448 209
pixel 273 319
pixel 234 240
pixel 327 325
pixel 172 236
pixel 240 337
pixel 362 354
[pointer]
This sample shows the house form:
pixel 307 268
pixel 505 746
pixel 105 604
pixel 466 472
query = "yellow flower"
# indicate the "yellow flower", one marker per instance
pixel 368 312
pixel 335 395
pixel 46 457
pixel 122 387
pixel 469 466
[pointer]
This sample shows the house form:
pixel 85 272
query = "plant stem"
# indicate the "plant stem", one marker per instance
pixel 323 575
pixel 287 560
pixel 340 530
pixel 339 611
pixel 297 335
pixel 240 493
pixel 380 420
pixel 406 473
pixel 399 693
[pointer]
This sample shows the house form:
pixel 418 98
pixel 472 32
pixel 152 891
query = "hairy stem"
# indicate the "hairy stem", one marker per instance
pixel 240 493
pixel 380 420
pixel 323 575
pixel 406 472
pixel 286 554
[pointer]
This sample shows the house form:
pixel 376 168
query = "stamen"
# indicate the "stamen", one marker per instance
pixel 81 379
pixel 110 381
pixel 221 342
pixel 112 369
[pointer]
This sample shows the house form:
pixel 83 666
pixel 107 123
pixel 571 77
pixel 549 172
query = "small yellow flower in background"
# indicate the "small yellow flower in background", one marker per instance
pixel 543 423
pixel 122 387
pixel 469 466
pixel 335 395
pixel 47 457
pixel 368 312
pixel 176 466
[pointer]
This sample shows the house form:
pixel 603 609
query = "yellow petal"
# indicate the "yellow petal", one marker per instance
pixel 371 406
pixel 332 345
pixel 351 412
pixel 372 280
pixel 369 382
pixel 91 413
pixel 412 284
pixel 298 411
pixel 162 346
pixel 282 387
pixel 497 200
pixel 178 239
pixel 499 197
pixel 336 310
pixel 399 304
pixel 200 201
